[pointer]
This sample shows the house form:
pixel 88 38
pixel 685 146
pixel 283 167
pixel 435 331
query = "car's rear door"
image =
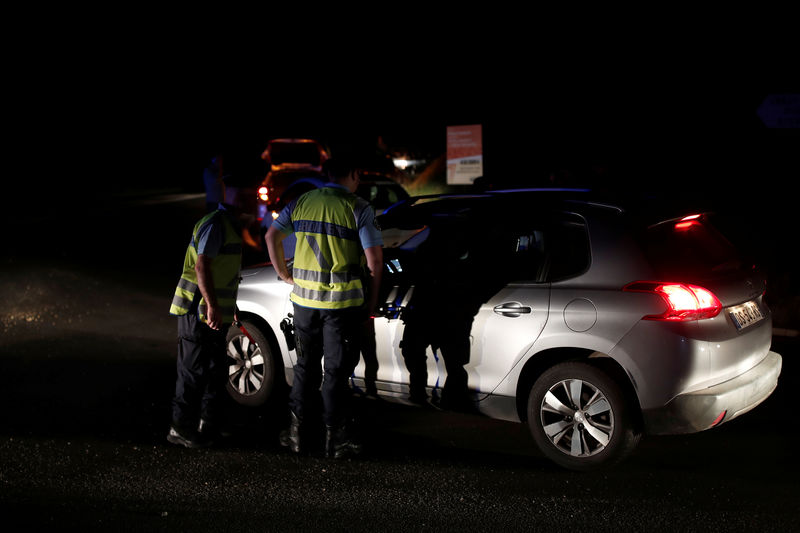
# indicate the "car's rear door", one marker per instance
pixel 504 330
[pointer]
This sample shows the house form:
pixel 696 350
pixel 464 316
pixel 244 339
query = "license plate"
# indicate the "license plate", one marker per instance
pixel 745 315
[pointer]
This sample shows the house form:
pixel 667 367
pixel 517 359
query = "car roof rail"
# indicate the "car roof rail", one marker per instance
pixel 539 189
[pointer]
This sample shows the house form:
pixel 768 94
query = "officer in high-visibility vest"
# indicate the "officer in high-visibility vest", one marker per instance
pixel 205 304
pixel 332 297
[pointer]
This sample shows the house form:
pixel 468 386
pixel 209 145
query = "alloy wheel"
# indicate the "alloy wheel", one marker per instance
pixel 246 365
pixel 577 418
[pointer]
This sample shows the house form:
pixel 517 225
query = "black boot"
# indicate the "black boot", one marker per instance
pixel 184 436
pixel 291 437
pixel 339 443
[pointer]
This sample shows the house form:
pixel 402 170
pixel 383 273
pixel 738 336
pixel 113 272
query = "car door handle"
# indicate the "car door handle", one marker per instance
pixel 512 309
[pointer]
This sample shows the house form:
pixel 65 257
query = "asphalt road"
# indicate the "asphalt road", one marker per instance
pixel 86 376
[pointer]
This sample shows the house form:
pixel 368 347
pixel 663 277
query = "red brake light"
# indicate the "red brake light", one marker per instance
pixel 719 418
pixel 684 301
pixel 685 225
pixel 687 222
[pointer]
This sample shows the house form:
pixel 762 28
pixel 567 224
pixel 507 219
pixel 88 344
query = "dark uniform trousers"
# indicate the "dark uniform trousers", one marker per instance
pixel 449 331
pixel 327 352
pixel 452 337
pixel 202 372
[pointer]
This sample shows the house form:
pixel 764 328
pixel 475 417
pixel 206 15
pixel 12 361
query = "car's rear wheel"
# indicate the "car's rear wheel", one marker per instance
pixel 251 365
pixel 580 418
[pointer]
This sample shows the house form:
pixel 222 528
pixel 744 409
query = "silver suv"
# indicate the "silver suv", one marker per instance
pixel 594 321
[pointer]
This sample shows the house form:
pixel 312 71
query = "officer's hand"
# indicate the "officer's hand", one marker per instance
pixel 214 317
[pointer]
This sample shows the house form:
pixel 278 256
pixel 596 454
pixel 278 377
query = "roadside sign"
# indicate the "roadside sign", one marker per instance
pixel 464 154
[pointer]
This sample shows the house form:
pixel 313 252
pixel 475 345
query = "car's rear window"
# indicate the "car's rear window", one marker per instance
pixel 297 153
pixel 693 247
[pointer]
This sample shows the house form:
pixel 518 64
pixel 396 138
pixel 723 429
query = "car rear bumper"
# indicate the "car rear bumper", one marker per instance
pixel 706 408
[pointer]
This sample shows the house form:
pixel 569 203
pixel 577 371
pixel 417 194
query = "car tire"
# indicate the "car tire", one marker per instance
pixel 580 418
pixel 251 365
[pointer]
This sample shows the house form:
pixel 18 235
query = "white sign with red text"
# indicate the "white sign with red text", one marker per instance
pixel 464 154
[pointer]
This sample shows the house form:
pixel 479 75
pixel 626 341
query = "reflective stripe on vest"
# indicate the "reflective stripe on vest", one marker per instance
pixel 327 261
pixel 224 270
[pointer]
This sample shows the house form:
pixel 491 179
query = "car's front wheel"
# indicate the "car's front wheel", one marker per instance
pixel 251 365
pixel 579 417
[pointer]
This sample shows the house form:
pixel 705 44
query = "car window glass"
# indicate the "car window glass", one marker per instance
pixel 511 244
pixel 549 248
pixel 689 249
pixel 380 196
pixel 527 256
pixel 569 251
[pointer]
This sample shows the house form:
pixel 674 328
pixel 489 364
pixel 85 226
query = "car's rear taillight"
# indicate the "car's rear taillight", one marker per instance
pixel 684 301
pixel 687 222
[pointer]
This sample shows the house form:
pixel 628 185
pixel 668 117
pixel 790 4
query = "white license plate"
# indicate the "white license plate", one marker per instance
pixel 745 315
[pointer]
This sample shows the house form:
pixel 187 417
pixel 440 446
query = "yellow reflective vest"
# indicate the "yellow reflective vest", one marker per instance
pixel 328 266
pixel 224 269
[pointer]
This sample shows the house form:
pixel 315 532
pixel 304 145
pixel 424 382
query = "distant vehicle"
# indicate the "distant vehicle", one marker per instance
pixel 290 163
pixel 282 186
pixel 287 154
pixel 602 321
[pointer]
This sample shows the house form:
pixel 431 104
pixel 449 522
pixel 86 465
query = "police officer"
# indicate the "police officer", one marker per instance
pixel 204 302
pixel 441 270
pixel 334 230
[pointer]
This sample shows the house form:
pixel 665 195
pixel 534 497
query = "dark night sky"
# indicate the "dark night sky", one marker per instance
pixel 668 130
pixel 148 116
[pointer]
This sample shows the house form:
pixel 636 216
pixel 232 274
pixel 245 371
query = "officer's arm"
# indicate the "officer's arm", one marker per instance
pixel 374 255
pixel 205 282
pixel 274 239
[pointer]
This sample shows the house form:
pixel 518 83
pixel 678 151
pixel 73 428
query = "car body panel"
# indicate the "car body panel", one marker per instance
pixel 263 294
pixel 501 338
pixel 709 407
pixel 493 345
